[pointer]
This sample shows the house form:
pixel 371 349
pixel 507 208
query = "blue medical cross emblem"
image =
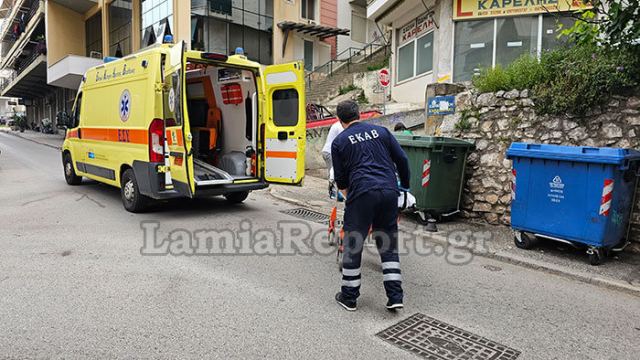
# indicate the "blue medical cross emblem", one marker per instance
pixel 125 105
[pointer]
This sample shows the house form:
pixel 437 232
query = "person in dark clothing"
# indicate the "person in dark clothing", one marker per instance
pixel 365 161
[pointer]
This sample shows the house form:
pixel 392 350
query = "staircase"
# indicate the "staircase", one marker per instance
pixel 325 81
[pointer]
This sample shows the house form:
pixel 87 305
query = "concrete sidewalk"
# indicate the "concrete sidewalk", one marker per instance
pixel 619 272
pixel 52 140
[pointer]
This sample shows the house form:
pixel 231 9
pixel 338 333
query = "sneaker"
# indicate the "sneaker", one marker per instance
pixel 349 305
pixel 393 306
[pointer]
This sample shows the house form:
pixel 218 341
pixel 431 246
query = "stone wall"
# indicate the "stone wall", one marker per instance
pixel 494 120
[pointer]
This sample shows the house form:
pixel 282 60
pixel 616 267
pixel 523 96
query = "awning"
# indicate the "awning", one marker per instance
pixel 321 31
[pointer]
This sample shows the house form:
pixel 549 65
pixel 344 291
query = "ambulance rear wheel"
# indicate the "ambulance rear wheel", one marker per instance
pixel 69 172
pixel 237 197
pixel 132 199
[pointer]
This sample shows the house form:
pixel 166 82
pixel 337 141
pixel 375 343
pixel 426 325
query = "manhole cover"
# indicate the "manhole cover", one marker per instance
pixel 310 215
pixel 432 339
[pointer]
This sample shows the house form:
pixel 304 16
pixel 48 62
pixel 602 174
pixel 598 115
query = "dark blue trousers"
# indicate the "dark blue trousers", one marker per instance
pixel 376 209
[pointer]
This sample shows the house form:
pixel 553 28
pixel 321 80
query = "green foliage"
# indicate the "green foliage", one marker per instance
pixel 379 66
pixel 465 123
pixel 579 78
pixel 362 99
pixel 568 80
pixel 19 121
pixel 523 73
pixel 611 23
pixel 345 89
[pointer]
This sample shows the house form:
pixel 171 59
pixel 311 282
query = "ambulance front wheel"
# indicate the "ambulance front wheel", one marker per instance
pixel 237 197
pixel 132 199
pixel 69 172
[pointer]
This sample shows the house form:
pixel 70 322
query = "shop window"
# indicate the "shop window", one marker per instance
pixel 152 18
pixel 516 36
pixel 424 54
pixel 473 48
pixel 406 64
pixel 551 27
pixel 285 107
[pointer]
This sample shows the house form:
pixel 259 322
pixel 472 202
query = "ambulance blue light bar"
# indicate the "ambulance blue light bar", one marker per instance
pixel 214 56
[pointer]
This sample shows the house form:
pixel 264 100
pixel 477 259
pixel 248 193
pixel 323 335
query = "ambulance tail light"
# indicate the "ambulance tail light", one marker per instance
pixel 156 141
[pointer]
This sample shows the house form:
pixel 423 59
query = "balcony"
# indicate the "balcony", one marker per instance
pixel 28 80
pixel 16 43
pixel 68 72
pixel 385 11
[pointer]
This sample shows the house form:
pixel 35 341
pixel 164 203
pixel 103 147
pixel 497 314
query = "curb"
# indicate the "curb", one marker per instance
pixel 512 259
pixel 13 133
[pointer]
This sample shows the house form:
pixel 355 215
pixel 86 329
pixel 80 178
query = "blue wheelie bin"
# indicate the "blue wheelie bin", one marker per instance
pixel 573 194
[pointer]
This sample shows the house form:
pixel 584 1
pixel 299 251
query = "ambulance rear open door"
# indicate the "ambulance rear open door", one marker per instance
pixel 178 144
pixel 284 123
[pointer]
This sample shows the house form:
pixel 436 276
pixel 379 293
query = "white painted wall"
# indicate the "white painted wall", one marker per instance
pixel 413 90
pixel 345 9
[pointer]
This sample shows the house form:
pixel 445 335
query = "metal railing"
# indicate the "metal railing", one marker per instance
pixel 21 66
pixel 33 8
pixel 347 58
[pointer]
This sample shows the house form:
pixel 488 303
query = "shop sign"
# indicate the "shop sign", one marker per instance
pixel 474 9
pixel 417 27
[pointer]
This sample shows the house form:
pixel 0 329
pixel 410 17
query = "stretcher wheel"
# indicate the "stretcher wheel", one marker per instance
pixel 524 240
pixel 596 256
pixel 332 237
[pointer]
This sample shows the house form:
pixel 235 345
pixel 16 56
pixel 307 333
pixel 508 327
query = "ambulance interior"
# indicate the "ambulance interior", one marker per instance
pixel 223 118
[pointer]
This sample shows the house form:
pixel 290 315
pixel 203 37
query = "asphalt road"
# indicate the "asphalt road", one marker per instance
pixel 73 284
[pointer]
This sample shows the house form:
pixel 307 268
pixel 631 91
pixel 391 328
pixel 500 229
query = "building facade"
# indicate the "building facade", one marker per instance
pixel 451 40
pixel 46 46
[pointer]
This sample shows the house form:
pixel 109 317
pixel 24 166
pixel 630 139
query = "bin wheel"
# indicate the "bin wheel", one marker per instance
pixel 524 240
pixel 596 256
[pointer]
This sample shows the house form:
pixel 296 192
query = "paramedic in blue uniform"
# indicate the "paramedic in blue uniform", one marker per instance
pixel 365 161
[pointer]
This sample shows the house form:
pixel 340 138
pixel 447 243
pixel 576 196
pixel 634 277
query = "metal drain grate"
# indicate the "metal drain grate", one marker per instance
pixel 306 214
pixel 432 339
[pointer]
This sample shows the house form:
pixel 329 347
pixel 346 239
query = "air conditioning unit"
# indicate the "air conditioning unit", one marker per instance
pixel 95 55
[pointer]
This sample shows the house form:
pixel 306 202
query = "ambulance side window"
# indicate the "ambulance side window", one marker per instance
pixel 285 107
pixel 76 112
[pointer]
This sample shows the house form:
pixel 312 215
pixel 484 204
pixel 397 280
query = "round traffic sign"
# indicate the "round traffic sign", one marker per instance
pixel 384 77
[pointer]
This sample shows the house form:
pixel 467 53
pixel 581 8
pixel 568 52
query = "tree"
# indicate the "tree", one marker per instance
pixel 614 23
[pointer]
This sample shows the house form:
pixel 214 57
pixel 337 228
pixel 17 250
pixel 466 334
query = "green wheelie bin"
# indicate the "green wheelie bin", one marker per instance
pixel 437 173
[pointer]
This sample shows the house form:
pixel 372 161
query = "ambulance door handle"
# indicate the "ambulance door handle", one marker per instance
pixel 282 135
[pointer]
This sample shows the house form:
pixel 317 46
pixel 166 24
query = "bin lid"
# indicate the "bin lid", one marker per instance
pixel 602 155
pixel 431 141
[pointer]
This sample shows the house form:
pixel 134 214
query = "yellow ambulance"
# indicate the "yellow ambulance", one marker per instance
pixel 168 122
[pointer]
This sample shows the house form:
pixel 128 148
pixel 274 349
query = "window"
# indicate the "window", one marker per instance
pixel 424 54
pixel 93 33
pixel 76 111
pixel 405 61
pixel 515 37
pixel 358 28
pixel 308 9
pixel 551 30
pixel 120 28
pixel 473 48
pixel 152 16
pixel 285 107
